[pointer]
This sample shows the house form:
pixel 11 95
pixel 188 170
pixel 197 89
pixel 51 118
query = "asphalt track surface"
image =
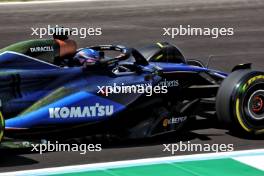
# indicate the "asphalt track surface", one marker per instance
pixel 138 23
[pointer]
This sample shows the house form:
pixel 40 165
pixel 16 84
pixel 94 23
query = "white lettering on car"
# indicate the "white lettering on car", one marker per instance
pixel 41 49
pixel 81 112
pixel 169 83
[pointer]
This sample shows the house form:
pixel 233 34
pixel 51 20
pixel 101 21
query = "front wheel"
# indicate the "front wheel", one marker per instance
pixel 240 102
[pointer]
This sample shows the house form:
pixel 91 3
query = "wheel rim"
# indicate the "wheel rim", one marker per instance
pixel 255 105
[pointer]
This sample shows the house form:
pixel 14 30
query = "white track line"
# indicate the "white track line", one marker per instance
pixel 130 163
pixel 254 161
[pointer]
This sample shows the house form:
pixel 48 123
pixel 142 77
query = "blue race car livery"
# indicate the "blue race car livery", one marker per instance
pixel 137 94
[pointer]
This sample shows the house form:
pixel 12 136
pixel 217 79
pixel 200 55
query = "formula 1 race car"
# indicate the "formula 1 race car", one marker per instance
pixel 137 94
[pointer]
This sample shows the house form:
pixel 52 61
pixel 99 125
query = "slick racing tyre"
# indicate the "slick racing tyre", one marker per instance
pixel 2 127
pixel 240 102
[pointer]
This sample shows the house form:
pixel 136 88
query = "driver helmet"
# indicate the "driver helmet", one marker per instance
pixel 87 56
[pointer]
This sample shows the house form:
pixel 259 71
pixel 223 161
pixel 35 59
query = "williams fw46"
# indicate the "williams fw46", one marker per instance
pixel 137 94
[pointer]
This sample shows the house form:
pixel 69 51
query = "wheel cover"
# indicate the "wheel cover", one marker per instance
pixel 256 105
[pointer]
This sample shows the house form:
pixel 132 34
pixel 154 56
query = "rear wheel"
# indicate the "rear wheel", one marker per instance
pixel 240 102
pixel 2 126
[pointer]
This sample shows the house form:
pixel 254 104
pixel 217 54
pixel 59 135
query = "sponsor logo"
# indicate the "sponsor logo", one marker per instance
pixel 250 81
pixel 169 83
pixel 174 120
pixel 81 112
pixel 41 49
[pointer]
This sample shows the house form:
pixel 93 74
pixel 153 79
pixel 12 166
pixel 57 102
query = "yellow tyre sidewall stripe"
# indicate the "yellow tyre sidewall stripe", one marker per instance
pixel 2 121
pixel 239 118
pixel 160 45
